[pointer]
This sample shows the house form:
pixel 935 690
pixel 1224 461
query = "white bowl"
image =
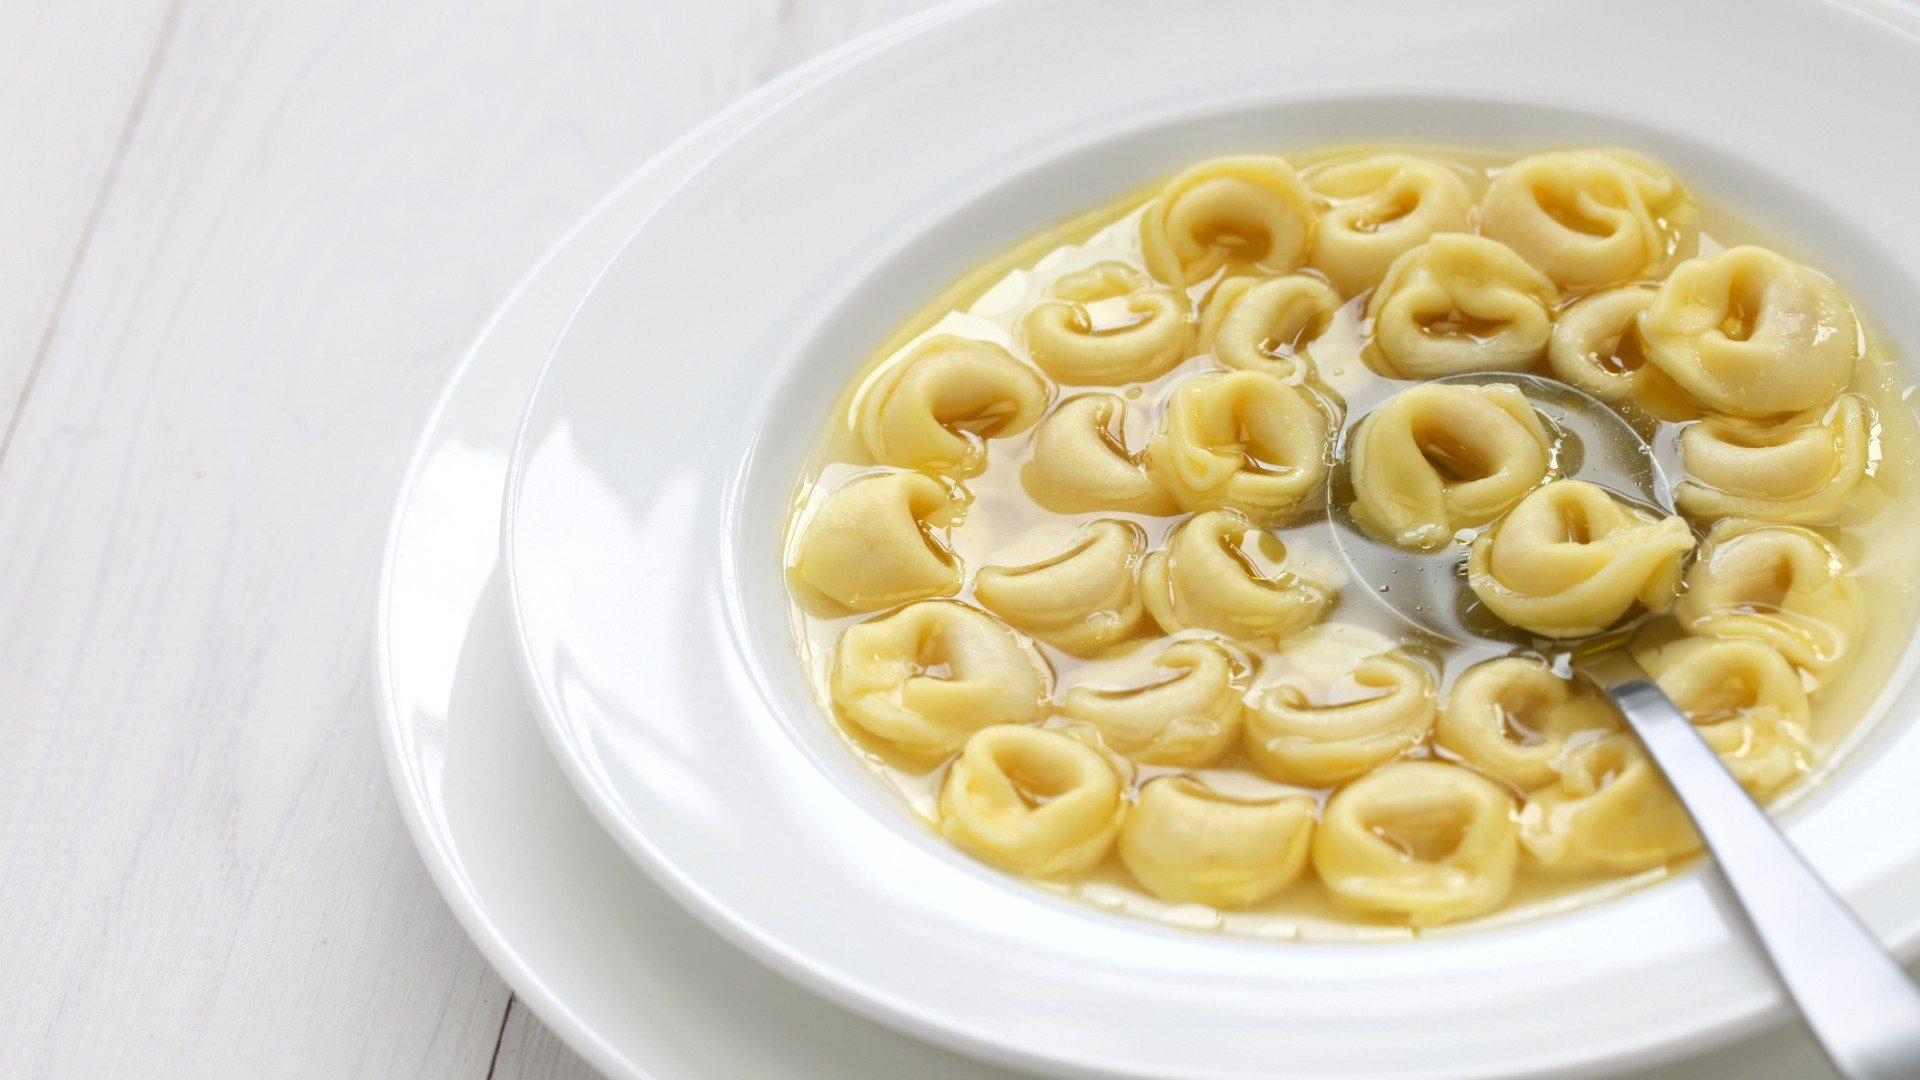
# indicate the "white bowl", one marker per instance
pixel 655 465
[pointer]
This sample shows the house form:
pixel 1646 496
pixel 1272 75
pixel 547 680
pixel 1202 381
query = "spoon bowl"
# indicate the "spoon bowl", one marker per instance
pixel 1591 441
pixel 1855 998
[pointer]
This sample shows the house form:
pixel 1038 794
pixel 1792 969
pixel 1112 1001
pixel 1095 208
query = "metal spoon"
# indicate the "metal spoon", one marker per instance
pixel 1860 1005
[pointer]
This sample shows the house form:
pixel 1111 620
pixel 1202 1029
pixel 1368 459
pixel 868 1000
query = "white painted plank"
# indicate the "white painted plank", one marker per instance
pixel 70 79
pixel 529 1051
pixel 200 864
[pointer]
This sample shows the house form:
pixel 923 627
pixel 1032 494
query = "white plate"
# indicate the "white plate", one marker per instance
pixel 657 456
pixel 588 942
pixel 585 939
pixel 623 974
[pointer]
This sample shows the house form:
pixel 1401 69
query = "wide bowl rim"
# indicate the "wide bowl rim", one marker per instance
pixel 589 776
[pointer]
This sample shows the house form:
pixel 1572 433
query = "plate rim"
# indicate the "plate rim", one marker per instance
pixel 773 951
pixel 443 867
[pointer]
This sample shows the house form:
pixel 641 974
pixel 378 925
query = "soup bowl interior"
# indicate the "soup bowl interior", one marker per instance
pixel 661 454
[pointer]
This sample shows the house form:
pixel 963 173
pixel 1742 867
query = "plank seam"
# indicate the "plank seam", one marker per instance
pixel 500 1037
pixel 95 213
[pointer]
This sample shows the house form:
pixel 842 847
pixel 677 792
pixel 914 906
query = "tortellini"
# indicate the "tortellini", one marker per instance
pixel 1513 718
pixel 1081 463
pixel 1596 347
pixel 1300 731
pixel 1786 586
pixel 1265 324
pixel 1076 337
pixel 1188 716
pixel 1382 206
pixel 1243 213
pixel 1460 303
pixel 1609 811
pixel 1234 553
pixel 1591 218
pixel 1189 844
pixel 1442 457
pixel 925 677
pixel 1241 440
pixel 935 409
pixel 1747 703
pixel 1081 600
pixel 1206 579
pixel 1749 332
pixel 1032 800
pixel 1424 841
pixel 871 543
pixel 1802 469
pixel 1570 560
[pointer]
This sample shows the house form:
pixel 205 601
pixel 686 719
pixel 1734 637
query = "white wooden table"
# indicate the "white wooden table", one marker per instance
pixel 242 245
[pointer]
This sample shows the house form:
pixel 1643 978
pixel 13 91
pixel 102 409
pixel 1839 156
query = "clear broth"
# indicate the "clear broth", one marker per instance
pixel 1003 526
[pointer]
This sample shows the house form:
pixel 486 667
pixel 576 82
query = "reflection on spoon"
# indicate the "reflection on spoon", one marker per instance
pixel 1587 441
pixel 1858 1002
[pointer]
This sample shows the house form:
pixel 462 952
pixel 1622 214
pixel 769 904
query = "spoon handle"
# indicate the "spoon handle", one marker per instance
pixel 1862 1007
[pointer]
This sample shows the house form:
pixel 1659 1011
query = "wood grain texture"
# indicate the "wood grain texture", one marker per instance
pixel 201 867
pixel 529 1051
pixel 72 82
